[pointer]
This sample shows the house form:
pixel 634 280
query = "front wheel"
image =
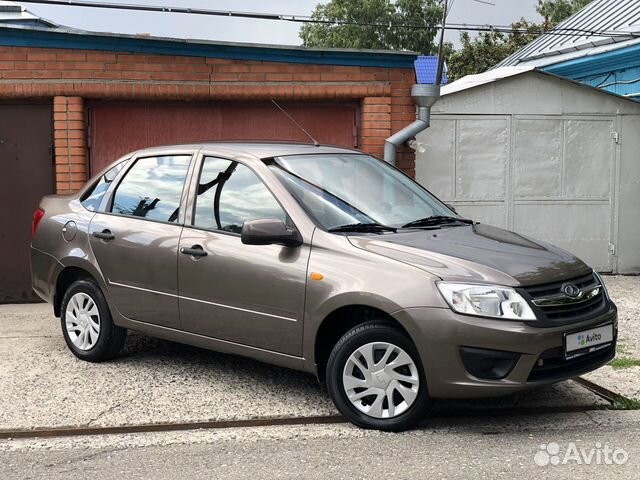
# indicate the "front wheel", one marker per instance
pixel 376 379
pixel 86 323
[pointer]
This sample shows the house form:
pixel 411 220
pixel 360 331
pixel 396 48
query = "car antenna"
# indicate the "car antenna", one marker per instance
pixel 315 142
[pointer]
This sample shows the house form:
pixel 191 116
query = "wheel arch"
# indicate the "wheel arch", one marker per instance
pixel 339 321
pixel 67 276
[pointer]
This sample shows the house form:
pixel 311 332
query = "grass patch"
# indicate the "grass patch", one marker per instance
pixel 624 362
pixel 624 403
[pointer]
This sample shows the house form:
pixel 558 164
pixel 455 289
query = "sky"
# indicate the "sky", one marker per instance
pixel 247 30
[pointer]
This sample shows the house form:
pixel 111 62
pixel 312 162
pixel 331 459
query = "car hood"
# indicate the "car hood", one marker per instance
pixel 477 253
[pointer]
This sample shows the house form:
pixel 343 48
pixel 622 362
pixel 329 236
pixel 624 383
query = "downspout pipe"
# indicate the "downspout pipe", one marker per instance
pixel 424 97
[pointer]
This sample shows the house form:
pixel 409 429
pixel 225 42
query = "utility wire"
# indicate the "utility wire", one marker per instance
pixel 311 20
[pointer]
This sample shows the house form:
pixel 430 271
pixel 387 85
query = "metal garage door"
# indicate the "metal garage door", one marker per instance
pixel 548 177
pixel 116 129
pixel 26 174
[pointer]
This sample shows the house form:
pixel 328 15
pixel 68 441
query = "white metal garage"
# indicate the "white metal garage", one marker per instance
pixel 543 156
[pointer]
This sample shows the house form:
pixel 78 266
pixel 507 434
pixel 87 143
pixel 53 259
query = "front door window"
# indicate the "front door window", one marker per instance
pixel 230 194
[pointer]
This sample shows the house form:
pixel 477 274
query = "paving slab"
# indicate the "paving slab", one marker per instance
pixel 155 381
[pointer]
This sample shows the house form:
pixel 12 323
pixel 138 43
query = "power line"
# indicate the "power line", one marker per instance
pixel 310 20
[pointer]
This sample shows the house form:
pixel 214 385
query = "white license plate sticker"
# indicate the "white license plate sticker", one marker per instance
pixel 588 340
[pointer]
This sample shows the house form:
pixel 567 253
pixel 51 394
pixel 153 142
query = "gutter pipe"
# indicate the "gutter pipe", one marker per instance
pixel 424 96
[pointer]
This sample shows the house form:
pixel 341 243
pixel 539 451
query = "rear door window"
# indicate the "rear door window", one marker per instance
pixel 93 197
pixel 152 188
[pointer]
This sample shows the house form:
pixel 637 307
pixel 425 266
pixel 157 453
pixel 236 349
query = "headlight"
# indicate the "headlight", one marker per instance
pixel 602 285
pixel 486 301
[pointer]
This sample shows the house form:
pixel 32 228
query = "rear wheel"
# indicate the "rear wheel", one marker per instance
pixel 87 325
pixel 376 379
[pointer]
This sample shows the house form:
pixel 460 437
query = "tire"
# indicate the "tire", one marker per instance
pixel 387 346
pixel 84 309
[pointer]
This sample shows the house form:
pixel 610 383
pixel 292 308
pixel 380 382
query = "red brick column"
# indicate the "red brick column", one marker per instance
pixel 403 112
pixel 70 143
pixel 376 124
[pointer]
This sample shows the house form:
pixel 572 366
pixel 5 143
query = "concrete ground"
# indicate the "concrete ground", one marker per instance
pixel 623 375
pixel 43 386
pixel 579 445
pixel 156 381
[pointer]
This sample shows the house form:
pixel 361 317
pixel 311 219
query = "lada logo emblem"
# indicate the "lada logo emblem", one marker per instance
pixel 570 290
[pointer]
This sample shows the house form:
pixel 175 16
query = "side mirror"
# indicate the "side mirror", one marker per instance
pixel 450 207
pixel 269 231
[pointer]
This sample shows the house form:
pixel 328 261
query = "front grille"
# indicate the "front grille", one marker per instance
pixel 556 367
pixel 574 309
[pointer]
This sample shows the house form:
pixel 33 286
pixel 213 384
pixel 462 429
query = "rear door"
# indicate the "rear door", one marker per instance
pixel 135 240
pixel 247 294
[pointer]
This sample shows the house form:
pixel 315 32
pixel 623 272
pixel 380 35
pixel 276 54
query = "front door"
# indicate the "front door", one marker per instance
pixel 136 240
pixel 246 294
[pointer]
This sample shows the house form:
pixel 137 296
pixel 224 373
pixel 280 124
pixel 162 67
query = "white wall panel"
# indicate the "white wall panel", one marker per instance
pixel 588 159
pixel 435 169
pixel 482 154
pixel 537 158
pixel 487 214
pixel 583 229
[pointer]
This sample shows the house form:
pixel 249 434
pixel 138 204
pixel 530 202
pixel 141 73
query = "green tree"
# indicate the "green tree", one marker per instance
pixel 555 11
pixel 479 54
pixel 489 48
pixel 385 34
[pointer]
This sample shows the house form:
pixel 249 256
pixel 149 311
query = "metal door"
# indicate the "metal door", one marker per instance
pixel 546 176
pixel 119 128
pixel 26 174
pixel 562 184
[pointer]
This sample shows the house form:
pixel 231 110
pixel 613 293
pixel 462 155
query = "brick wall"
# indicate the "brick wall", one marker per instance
pixel 70 143
pixel 69 76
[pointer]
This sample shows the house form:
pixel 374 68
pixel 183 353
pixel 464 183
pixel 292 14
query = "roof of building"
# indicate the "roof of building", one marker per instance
pixel 44 34
pixel 600 27
pixel 498 74
pixel 490 76
pixel 12 13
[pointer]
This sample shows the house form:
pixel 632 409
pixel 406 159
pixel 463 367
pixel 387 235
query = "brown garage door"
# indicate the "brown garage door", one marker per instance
pixel 117 129
pixel 26 174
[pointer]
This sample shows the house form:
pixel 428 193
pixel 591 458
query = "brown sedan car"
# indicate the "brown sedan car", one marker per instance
pixel 320 259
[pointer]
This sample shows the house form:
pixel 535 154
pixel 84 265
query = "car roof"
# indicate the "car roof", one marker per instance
pixel 253 148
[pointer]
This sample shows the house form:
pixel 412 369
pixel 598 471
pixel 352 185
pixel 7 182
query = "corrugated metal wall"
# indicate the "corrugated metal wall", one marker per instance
pixel 629 75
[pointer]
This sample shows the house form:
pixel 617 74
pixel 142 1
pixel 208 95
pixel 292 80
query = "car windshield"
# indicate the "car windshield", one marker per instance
pixel 349 189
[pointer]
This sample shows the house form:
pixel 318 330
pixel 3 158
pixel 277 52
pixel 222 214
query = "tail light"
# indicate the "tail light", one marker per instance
pixel 37 216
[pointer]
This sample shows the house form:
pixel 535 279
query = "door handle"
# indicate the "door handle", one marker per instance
pixel 195 251
pixel 104 234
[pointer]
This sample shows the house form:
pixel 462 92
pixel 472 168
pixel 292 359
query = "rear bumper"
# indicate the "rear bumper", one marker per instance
pixel 45 269
pixel 447 341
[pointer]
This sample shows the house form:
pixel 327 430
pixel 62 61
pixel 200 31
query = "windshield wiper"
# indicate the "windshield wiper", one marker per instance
pixel 363 227
pixel 435 220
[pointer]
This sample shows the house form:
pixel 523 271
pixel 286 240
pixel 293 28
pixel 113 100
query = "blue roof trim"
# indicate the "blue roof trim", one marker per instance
pixel 620 59
pixel 19 37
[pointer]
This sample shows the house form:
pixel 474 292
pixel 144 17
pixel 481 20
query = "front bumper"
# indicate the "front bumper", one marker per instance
pixel 440 333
